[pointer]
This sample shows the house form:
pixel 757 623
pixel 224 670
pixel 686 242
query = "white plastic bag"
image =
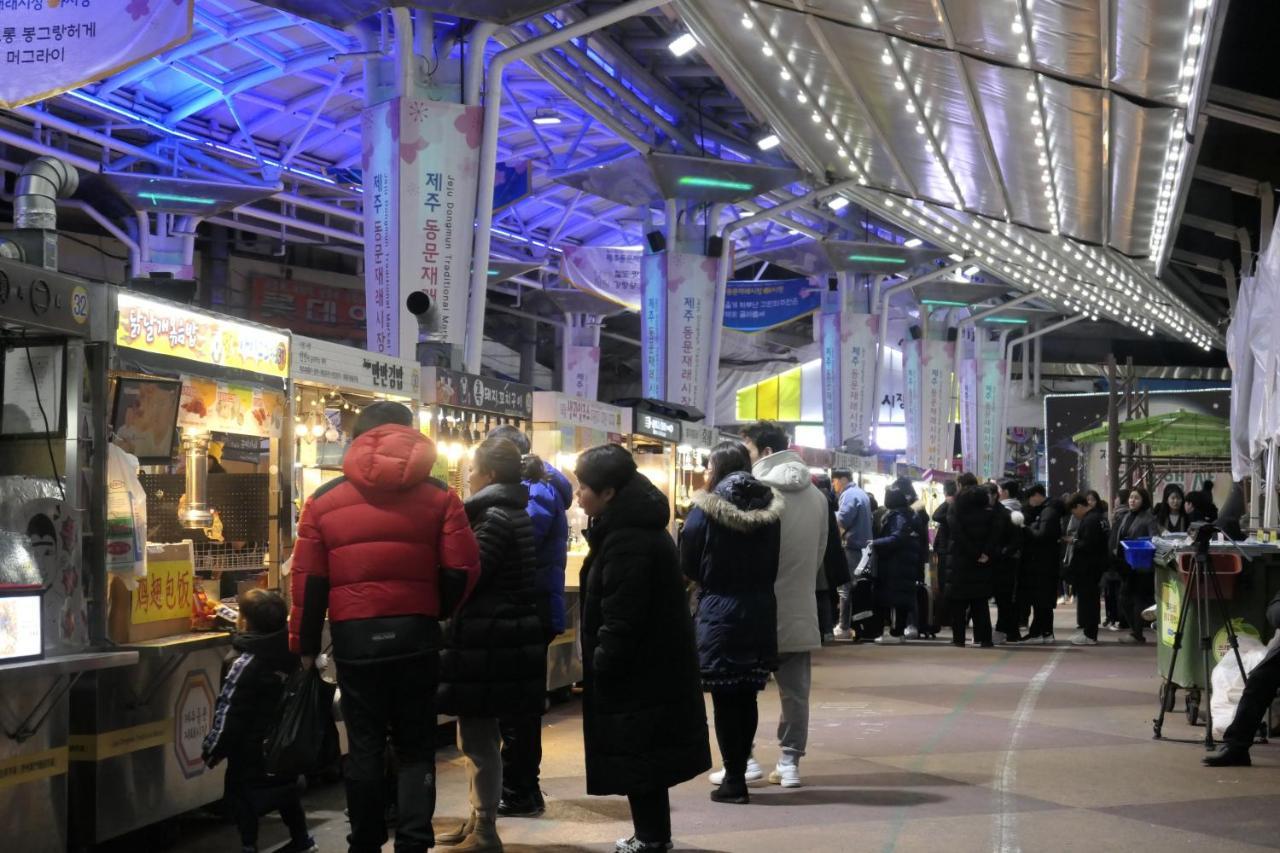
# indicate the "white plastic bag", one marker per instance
pixel 1228 686
pixel 126 517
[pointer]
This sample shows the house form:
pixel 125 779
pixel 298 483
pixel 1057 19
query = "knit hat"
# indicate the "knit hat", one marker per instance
pixel 381 414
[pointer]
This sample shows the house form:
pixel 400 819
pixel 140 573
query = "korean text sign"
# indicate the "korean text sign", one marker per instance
pixel 165 329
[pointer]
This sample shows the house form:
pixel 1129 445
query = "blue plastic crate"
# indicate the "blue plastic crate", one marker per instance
pixel 1139 553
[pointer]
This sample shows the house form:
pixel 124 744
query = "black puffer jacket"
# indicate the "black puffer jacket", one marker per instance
pixel 900 551
pixel 494 661
pixel 729 547
pixel 253 680
pixel 1042 553
pixel 974 533
pixel 644 724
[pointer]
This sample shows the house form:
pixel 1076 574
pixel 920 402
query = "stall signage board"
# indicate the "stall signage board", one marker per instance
pixel 333 313
pixel 612 273
pixel 192 719
pixel 325 363
pixel 51 47
pixel 164 593
pixel 481 393
pixel 698 436
pixel 567 410
pixel 420 162
pixel 655 426
pixel 163 328
pixel 757 306
pixel 209 405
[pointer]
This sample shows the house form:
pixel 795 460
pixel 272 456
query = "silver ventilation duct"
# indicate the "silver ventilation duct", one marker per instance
pixel 41 182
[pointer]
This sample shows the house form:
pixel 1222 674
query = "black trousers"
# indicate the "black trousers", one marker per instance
pixel 248 799
pixel 1259 692
pixel 895 618
pixel 1006 608
pixel 1111 598
pixel 651 815
pixel 1037 596
pixel 1088 604
pixel 397 696
pixel 961 611
pixel 1137 593
pixel 522 749
pixel 736 717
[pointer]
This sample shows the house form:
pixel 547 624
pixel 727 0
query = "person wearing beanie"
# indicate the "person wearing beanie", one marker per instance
pixel 386 552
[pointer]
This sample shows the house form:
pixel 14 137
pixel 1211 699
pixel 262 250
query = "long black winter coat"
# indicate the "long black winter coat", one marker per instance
pixel 644 724
pixel 974 533
pixel 900 553
pixel 495 662
pixel 253 682
pixel 729 547
pixel 1041 553
pixel 1089 551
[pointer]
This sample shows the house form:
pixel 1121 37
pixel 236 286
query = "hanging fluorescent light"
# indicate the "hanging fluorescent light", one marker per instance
pixel 682 44
pixel 878 259
pixel 956 258
pixel 946 303
pixel 913 242
pixel 714 183
pixel 1008 321
pixel 969 272
pixel 838 203
pixel 155 198
pixel 546 116
pixel 766 143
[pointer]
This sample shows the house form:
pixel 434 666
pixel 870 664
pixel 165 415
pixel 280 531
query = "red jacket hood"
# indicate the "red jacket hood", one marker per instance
pixel 390 458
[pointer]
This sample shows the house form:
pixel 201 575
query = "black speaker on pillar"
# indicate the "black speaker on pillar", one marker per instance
pixel 657 241
pixel 914 331
pixel 953 333
pixel 833 284
pixel 715 245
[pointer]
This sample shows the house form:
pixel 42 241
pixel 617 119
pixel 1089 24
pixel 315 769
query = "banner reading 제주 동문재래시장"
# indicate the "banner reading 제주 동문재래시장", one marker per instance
pixel 50 47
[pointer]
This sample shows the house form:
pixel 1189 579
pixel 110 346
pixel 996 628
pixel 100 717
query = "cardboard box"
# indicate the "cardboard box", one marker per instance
pixel 160 605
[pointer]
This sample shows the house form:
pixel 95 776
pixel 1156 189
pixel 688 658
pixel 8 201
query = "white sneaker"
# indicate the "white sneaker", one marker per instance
pixel 1082 640
pixel 786 775
pixel 886 640
pixel 999 637
pixel 843 633
pixel 912 633
pixel 754 773
pixel 1149 615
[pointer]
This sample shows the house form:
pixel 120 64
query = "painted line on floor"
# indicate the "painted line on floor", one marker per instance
pixel 944 729
pixel 1005 819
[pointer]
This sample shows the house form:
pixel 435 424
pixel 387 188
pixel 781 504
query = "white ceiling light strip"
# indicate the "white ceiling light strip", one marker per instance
pixel 1194 50
pixel 803 94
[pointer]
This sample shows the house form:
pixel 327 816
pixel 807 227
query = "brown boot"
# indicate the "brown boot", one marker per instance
pixel 484 837
pixel 460 834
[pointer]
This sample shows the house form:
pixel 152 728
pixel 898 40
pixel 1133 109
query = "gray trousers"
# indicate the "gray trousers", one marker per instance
pixel 794 680
pixel 481 745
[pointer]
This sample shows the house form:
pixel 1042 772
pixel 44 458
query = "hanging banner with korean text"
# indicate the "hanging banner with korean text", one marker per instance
pixel 691 321
pixel 582 358
pixel 420 166
pixel 653 326
pixel 757 306
pixel 857 373
pixel 968 380
pixel 829 338
pixel 911 400
pixel 991 441
pixel 51 46
pixel 612 273
pixel 935 405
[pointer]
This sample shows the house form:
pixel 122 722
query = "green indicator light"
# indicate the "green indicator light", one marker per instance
pixel 155 198
pixel 715 183
pixel 878 259
pixel 1008 321
pixel 948 303
pixel 494 272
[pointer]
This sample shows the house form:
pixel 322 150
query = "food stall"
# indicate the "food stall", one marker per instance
pixel 696 443
pixel 51 574
pixel 459 410
pixel 199 401
pixel 332 383
pixel 563 427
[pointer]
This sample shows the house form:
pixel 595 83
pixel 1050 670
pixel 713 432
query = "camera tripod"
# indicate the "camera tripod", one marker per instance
pixel 1201 582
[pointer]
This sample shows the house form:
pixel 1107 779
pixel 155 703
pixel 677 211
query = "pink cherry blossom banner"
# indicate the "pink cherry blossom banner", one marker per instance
pixel 421 161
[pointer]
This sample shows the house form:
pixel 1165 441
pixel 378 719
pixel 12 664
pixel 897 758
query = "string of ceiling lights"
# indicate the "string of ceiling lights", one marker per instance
pixel 1106 286
pixel 1176 151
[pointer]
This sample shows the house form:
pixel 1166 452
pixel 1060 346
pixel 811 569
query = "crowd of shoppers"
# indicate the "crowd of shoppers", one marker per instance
pixel 434 604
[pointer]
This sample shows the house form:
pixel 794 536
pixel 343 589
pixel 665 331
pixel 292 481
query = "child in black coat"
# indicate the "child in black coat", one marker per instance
pixel 253 683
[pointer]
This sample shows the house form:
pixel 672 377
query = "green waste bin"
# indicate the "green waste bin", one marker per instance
pixel 1246 589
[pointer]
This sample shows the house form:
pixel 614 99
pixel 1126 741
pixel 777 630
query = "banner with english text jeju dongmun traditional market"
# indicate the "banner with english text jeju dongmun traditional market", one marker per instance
pixel 421 164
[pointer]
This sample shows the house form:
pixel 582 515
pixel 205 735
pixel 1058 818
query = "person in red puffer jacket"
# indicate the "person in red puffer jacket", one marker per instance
pixel 388 552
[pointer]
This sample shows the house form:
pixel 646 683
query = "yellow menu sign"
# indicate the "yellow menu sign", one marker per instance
pixel 165 593
pixel 164 329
